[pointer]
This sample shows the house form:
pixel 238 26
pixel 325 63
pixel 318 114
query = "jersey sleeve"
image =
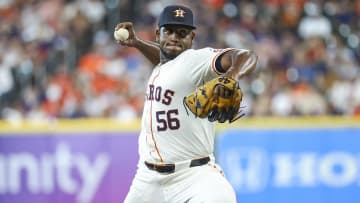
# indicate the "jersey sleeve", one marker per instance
pixel 202 64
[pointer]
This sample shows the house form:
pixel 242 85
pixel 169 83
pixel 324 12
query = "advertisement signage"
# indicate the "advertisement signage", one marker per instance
pixel 65 167
pixel 292 165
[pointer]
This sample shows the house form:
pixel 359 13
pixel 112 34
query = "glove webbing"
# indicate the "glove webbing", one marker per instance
pixel 239 114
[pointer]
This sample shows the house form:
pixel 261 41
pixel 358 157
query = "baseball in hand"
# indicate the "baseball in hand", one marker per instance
pixel 121 34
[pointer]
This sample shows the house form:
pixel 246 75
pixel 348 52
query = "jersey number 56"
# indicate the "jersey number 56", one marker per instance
pixel 167 119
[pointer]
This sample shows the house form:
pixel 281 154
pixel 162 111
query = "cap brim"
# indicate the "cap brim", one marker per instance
pixel 178 23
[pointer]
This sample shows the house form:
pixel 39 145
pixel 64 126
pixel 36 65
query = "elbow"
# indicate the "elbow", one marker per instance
pixel 248 63
pixel 242 63
pixel 253 60
pixel 244 54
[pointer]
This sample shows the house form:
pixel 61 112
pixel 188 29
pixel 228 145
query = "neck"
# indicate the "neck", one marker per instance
pixel 165 57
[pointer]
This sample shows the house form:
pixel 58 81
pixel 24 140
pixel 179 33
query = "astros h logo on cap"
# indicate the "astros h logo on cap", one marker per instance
pixel 176 15
pixel 179 13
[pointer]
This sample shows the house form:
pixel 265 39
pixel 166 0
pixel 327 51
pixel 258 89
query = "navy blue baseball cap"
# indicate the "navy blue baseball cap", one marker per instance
pixel 176 15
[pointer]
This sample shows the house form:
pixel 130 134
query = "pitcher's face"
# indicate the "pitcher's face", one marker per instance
pixel 174 39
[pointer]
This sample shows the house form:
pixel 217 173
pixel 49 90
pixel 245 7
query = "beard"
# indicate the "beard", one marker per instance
pixel 169 56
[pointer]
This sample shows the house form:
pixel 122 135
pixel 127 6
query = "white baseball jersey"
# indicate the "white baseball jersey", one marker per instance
pixel 169 134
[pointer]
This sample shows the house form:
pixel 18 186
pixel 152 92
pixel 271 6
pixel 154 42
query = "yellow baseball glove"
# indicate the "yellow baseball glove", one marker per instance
pixel 218 99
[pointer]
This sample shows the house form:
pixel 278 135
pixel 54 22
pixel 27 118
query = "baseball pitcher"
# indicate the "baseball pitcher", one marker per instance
pixel 187 93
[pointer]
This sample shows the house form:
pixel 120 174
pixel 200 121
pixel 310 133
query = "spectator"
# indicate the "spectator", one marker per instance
pixel 58 58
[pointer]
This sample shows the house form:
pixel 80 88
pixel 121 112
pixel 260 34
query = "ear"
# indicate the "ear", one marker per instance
pixel 157 34
pixel 192 35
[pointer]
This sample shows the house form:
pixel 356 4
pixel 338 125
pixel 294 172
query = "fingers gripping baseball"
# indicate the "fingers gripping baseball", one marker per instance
pixel 121 34
pixel 218 100
pixel 124 34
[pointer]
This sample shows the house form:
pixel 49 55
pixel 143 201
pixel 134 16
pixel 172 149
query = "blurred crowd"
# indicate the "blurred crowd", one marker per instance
pixel 58 58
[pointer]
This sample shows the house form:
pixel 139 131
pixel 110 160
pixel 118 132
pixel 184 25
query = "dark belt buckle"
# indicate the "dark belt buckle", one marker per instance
pixel 165 168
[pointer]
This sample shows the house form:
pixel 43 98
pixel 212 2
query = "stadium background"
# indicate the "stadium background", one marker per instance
pixel 70 98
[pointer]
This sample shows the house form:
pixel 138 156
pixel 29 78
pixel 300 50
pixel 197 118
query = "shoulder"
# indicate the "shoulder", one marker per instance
pixel 207 51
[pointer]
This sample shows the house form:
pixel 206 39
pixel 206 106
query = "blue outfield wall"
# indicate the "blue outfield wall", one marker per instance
pixel 313 165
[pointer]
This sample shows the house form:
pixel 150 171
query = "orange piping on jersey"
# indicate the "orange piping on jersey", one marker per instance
pixel 151 130
pixel 216 57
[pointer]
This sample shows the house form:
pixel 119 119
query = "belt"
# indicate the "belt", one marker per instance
pixel 170 168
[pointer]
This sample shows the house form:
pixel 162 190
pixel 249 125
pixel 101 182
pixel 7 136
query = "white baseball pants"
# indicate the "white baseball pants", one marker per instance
pixel 200 184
